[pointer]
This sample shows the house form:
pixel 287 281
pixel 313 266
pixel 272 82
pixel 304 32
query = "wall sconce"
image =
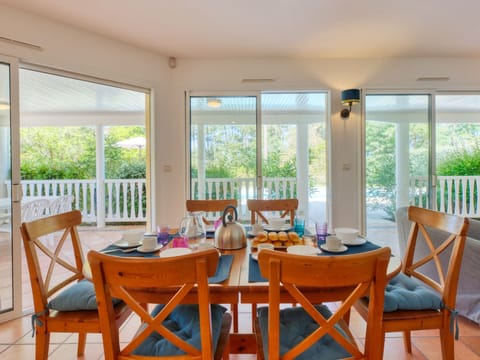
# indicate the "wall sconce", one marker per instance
pixel 349 98
pixel 214 103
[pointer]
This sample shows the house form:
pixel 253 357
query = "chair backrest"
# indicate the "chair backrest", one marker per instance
pixel 64 262
pixel 215 207
pixel 132 279
pixel 61 204
pixel 34 209
pixel 282 206
pixel 455 229
pixel 340 278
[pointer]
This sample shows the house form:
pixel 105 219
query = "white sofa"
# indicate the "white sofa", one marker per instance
pixel 468 294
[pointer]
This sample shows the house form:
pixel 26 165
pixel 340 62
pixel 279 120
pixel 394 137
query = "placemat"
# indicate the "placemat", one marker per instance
pixel 357 249
pixel 254 271
pixel 223 269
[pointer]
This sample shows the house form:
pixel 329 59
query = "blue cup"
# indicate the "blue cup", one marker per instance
pixel 299 226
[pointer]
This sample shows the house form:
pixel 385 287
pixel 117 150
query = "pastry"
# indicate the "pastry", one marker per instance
pixel 273 236
pixel 282 236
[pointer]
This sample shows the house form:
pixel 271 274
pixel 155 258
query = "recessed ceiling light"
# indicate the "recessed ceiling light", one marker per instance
pixel 214 103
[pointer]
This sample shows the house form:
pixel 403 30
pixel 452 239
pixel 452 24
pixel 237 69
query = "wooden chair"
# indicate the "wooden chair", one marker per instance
pixel 283 206
pixel 454 229
pixel 217 206
pixel 258 208
pixel 212 206
pixel 47 283
pixel 337 278
pixel 132 280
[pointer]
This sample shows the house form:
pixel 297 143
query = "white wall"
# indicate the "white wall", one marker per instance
pixel 327 74
pixel 82 52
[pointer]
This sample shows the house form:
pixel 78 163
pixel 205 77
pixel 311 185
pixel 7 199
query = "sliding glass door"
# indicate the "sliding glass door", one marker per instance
pixel 264 145
pixel 397 155
pixel 10 276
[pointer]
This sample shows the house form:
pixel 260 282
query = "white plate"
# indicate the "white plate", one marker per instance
pixel 174 252
pixel 285 227
pixel 357 241
pixel 143 250
pixel 302 250
pixel 255 256
pixel 341 249
pixel 124 244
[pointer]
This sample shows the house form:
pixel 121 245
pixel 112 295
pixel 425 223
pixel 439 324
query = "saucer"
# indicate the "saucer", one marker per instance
pixel 341 249
pixel 302 250
pixel 175 252
pixel 355 242
pixel 124 244
pixel 141 249
pixel 285 227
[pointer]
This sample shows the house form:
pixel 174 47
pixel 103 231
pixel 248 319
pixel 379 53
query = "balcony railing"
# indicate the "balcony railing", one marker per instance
pixel 455 194
pixel 125 199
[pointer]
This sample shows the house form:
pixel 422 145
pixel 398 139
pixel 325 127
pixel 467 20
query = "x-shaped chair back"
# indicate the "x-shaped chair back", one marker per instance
pixel 343 278
pixel 283 206
pixel 184 279
pixel 455 228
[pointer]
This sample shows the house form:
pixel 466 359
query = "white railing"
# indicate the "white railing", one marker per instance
pixel 121 201
pixel 243 189
pixel 455 194
pixel 123 196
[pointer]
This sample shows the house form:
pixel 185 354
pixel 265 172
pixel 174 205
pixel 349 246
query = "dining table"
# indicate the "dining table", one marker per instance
pixel 243 284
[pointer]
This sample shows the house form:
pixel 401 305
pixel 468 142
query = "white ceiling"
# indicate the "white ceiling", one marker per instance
pixel 276 28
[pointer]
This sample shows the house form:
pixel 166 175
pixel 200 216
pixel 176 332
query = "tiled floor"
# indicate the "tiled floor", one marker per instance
pixel 17 343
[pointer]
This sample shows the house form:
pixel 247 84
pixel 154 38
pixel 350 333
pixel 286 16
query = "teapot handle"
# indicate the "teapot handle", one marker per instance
pixel 225 213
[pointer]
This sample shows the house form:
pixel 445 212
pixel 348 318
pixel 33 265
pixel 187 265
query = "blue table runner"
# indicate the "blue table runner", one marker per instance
pixel 254 270
pixel 223 267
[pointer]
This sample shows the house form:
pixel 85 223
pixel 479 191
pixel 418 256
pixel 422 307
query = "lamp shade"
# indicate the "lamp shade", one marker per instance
pixel 350 96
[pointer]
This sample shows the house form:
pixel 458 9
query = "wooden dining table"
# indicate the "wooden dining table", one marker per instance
pixel 237 289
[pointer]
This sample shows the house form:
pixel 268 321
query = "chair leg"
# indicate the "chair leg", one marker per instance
pixel 82 341
pixel 42 342
pixel 446 338
pixel 234 309
pixel 407 341
pixel 254 316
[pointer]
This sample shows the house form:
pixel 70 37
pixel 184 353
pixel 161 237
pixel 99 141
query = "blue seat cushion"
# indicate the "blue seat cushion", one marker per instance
pixel 406 293
pixel 295 325
pixel 79 296
pixel 184 321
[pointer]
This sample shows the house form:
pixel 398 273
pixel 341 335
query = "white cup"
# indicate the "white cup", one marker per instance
pixel 257 228
pixel 333 243
pixel 276 222
pixel 149 243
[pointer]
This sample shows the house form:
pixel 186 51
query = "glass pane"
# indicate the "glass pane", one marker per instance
pixel 223 149
pixel 458 153
pixel 6 289
pixel 84 142
pixel 396 159
pixel 294 147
